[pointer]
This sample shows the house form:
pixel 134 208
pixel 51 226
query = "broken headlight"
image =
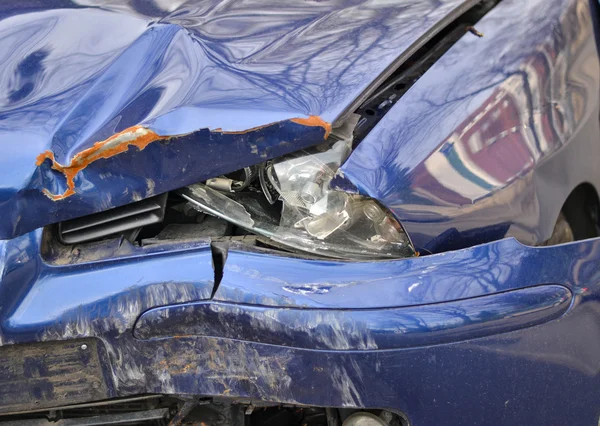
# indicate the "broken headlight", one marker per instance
pixel 296 205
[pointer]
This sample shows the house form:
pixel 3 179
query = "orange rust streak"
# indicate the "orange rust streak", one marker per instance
pixel 84 158
pixel 314 120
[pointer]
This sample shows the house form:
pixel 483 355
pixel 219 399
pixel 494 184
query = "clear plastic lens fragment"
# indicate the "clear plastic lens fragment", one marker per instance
pixel 303 179
pixel 314 217
pixel 215 203
pixel 326 224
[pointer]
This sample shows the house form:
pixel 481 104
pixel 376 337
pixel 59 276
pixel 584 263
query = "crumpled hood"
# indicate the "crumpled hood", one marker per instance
pixel 104 105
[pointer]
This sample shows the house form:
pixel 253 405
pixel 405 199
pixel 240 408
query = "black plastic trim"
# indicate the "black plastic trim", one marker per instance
pixel 113 221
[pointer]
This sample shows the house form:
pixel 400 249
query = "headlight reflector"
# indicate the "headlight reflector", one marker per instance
pixel 314 217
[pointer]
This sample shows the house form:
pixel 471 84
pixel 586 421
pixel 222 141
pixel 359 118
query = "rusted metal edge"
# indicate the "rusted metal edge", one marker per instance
pixel 140 137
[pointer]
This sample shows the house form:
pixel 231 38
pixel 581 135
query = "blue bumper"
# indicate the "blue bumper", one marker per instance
pixel 475 336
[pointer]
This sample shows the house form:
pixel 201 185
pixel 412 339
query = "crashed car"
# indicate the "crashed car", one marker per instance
pixel 309 213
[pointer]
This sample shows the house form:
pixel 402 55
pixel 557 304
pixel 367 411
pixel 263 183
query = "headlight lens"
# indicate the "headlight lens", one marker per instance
pixel 314 217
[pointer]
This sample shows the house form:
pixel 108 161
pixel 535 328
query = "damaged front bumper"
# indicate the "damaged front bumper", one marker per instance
pixel 490 330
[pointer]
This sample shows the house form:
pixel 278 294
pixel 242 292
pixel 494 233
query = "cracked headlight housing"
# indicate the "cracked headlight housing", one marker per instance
pixel 313 216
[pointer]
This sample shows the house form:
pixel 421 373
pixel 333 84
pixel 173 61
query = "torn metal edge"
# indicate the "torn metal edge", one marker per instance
pixel 140 137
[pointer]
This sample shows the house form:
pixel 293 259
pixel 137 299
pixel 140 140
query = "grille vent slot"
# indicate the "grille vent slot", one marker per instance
pixel 127 219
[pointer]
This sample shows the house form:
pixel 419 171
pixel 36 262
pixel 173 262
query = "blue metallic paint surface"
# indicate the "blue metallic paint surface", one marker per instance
pixel 179 71
pixel 494 137
pixel 127 286
pixel 461 383
pixel 342 329
pixel 502 266
pixel 539 373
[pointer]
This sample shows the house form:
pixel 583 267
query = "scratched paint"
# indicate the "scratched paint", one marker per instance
pixel 358 330
pixel 140 137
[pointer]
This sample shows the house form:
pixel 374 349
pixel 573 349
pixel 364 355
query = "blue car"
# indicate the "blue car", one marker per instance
pixel 316 213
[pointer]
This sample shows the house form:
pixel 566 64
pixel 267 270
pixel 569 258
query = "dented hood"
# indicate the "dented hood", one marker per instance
pixel 104 104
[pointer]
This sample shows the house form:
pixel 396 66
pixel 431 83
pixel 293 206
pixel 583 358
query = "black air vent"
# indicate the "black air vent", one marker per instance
pixel 126 220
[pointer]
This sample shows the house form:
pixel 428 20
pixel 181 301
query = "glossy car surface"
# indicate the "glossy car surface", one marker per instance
pixel 476 160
